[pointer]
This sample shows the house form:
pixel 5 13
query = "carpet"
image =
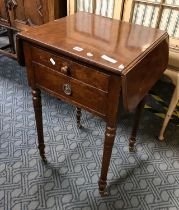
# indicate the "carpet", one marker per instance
pixel 147 179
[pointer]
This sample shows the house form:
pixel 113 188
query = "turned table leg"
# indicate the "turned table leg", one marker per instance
pixel 132 139
pixel 36 96
pixel 110 133
pixel 78 117
pixel 107 151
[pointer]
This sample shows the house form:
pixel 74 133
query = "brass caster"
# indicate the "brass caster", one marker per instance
pixel 79 126
pixel 44 159
pixel 132 148
pixel 103 193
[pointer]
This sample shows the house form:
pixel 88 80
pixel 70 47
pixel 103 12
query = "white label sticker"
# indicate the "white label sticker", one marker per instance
pixel 79 49
pixel 105 57
pixel 52 61
pixel 89 54
pixel 121 67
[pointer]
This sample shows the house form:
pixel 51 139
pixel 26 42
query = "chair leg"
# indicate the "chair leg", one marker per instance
pixel 132 139
pixel 171 108
pixel 11 40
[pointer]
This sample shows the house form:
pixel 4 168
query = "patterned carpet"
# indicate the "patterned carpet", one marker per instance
pixel 147 179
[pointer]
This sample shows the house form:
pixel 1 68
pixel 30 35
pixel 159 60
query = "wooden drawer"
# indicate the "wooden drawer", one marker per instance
pixel 81 93
pixel 74 70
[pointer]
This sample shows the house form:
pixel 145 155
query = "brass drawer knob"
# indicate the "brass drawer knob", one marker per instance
pixel 65 70
pixel 67 89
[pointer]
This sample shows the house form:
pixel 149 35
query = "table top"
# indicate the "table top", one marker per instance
pixel 99 41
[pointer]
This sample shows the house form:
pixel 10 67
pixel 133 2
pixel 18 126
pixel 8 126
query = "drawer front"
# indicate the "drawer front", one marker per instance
pixel 70 89
pixel 74 70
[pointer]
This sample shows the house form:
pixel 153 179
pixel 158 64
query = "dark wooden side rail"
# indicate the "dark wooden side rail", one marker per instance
pixel 92 67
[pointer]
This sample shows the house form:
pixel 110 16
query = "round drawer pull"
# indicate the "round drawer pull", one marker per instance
pixel 67 89
pixel 65 70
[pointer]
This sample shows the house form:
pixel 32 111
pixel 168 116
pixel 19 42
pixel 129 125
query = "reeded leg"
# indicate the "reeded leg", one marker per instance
pixel 108 145
pixel 78 117
pixel 111 119
pixel 132 139
pixel 36 96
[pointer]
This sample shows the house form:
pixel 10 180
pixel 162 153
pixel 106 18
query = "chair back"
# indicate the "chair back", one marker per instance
pixel 107 8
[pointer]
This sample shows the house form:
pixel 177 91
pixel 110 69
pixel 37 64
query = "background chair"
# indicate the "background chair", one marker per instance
pixel 173 73
pixel 162 14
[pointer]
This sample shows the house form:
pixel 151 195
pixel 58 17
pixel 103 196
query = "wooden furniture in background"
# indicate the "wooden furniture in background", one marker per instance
pixel 18 15
pixel 25 13
pixel 4 19
pixel 93 67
